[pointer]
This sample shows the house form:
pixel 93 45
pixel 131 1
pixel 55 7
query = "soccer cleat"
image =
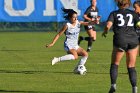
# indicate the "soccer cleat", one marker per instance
pixel 80 39
pixel 88 50
pixel 112 89
pixel 75 70
pixel 55 60
pixel 134 90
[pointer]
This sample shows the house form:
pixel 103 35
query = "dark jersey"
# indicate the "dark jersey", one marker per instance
pixel 124 21
pixel 91 13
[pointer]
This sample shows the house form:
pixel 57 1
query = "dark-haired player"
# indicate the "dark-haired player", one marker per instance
pixel 91 14
pixel 136 6
pixel 125 40
pixel 71 30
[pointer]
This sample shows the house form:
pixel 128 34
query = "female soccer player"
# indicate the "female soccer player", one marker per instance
pixel 71 30
pixel 136 6
pixel 91 14
pixel 124 40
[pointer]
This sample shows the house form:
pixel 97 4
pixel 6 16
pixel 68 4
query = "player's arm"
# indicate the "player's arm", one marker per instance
pixel 87 23
pixel 107 28
pixel 98 20
pixel 87 18
pixel 57 36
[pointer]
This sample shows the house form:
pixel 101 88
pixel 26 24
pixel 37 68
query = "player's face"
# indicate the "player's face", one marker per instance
pixel 73 18
pixel 137 8
pixel 93 2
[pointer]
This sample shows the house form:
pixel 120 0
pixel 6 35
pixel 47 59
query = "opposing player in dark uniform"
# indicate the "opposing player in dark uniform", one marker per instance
pixel 125 40
pixel 136 6
pixel 91 14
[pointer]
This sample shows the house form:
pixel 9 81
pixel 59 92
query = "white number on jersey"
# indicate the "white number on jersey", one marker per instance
pixel 122 21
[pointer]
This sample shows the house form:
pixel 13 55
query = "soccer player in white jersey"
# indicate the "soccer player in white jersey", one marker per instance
pixel 71 30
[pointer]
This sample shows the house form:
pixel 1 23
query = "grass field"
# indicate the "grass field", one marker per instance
pixel 25 66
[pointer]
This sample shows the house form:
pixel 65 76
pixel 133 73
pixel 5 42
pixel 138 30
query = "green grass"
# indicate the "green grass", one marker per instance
pixel 25 66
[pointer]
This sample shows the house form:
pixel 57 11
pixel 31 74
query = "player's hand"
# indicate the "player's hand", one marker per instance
pixel 49 45
pixel 98 19
pixel 92 19
pixel 104 34
pixel 92 22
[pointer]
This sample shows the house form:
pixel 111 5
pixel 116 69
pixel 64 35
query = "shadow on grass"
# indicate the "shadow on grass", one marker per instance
pixel 23 72
pixel 102 50
pixel 31 72
pixel 39 72
pixel 20 91
pixel 13 50
pixel 35 91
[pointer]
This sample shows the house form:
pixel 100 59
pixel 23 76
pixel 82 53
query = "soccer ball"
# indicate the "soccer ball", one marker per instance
pixel 138 24
pixel 81 69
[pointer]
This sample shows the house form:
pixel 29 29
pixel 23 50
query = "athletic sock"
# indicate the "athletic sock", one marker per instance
pixel 87 38
pixel 80 39
pixel 112 88
pixel 67 57
pixel 113 73
pixel 90 41
pixel 132 76
pixel 83 60
pixel 134 90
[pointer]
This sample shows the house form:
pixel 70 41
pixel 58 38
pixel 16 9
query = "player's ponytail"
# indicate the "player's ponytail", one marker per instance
pixel 68 13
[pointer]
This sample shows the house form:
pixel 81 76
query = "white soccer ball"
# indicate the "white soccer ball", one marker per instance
pixel 81 70
pixel 138 24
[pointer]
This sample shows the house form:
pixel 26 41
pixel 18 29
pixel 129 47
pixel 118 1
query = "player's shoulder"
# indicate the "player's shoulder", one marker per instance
pixel 113 12
pixel 131 11
pixel 88 8
pixel 78 23
pixel 123 11
pixel 67 23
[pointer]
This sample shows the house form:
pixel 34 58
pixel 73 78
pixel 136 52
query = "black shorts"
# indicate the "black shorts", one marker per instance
pixel 125 43
pixel 89 27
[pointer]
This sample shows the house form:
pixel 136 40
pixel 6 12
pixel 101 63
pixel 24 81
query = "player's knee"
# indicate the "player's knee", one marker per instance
pixel 131 65
pixel 75 57
pixel 85 54
pixel 92 38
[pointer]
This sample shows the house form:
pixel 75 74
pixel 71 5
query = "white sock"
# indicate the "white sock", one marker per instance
pixel 66 57
pixel 113 85
pixel 134 90
pixel 83 60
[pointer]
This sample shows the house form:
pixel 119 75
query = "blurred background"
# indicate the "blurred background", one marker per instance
pixel 46 15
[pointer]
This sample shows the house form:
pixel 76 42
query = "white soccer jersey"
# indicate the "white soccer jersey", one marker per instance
pixel 72 34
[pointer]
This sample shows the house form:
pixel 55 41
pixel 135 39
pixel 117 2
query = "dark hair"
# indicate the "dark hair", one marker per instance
pixel 123 3
pixel 136 2
pixel 90 1
pixel 68 13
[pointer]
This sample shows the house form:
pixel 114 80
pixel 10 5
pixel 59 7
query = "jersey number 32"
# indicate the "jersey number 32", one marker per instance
pixel 122 21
